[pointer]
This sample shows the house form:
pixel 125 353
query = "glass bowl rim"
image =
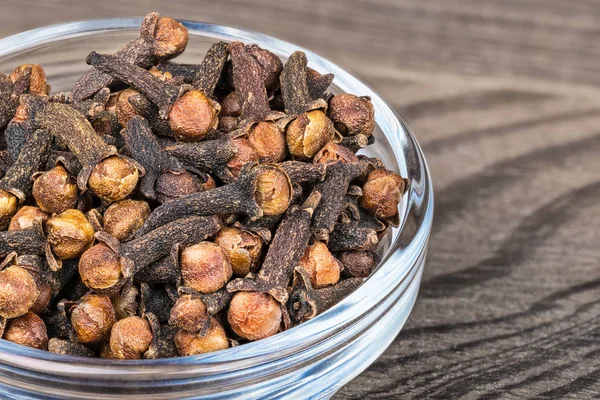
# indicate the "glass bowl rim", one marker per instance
pixel 17 43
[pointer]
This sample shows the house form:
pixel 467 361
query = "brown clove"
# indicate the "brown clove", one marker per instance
pixel 263 190
pixel 160 39
pixel 305 302
pixel 286 249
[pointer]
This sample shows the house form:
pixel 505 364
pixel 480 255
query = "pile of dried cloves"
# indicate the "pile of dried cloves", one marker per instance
pixel 162 209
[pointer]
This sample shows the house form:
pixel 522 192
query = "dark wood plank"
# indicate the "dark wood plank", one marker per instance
pixel 504 97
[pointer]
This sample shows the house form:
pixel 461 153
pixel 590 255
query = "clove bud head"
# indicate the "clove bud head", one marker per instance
pixel 37 81
pixel 245 153
pixel 321 266
pixel 269 142
pixel 382 193
pixel 130 338
pixel 123 109
pixel 192 343
pixel 69 234
pixel 269 63
pixel 55 190
pixel 204 267
pixel 113 179
pixel 8 208
pixel 241 248
pixel 27 217
pixel 100 268
pixel 92 318
pixel 189 314
pixel 27 330
pixel 193 116
pixel 333 152
pixel 352 115
pixel 230 106
pixel 254 315
pixel 171 37
pixel 358 263
pixel 308 133
pixel 123 218
pixel 19 291
pixel 170 186
pixel 273 191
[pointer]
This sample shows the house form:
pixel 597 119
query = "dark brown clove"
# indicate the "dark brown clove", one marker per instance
pixel 171 186
pixel 110 177
pixel 187 72
pixel 269 63
pixel 352 115
pixel 285 251
pixel 317 83
pixel 55 190
pixel 10 91
pixel 254 315
pixel 16 184
pixel 160 39
pixel 69 348
pixel 305 302
pixel 301 172
pixel 209 156
pixel 163 344
pixel 165 270
pixel 92 318
pixel 358 263
pixel 249 85
pixel 333 190
pixel 254 193
pixel 27 217
pixel 25 241
pixel 356 142
pixel 353 236
pixel 27 330
pixel 106 265
pixel 321 266
pixel 192 343
pixel 145 149
pixel 209 71
pixel 191 114
pixel 123 218
pixel 156 301
pixel 294 88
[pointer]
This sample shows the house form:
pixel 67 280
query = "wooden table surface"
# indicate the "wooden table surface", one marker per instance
pixel 504 97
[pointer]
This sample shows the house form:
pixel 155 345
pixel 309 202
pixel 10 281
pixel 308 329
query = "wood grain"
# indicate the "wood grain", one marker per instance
pixel 504 96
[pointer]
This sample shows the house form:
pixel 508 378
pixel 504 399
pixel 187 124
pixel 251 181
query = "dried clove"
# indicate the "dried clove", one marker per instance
pixel 285 251
pixel 123 218
pixel 358 263
pixel 69 234
pixel 209 156
pixel 16 184
pixel 322 267
pixel 242 249
pixel 27 330
pixel 352 115
pixel 55 190
pixel 382 193
pixel 317 83
pixel 27 217
pixel 24 241
pixel 141 143
pixel 353 236
pixel 69 348
pixel 130 338
pixel 160 39
pixel 301 172
pixel 254 315
pixel 264 190
pixel 209 71
pixel 106 265
pixel 192 343
pixel 333 189
pixel 305 302
pixel 190 113
pixel 92 318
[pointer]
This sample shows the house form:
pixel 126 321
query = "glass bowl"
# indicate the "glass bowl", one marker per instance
pixel 312 360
